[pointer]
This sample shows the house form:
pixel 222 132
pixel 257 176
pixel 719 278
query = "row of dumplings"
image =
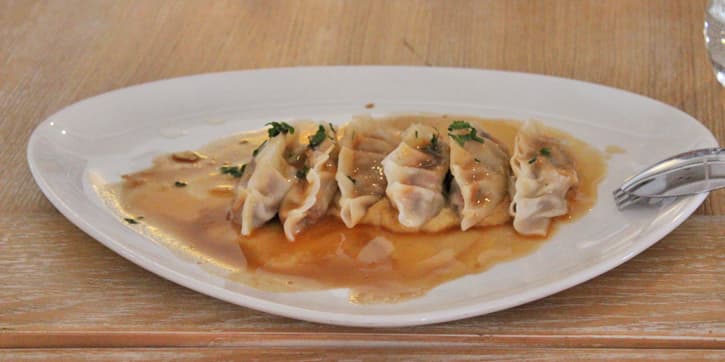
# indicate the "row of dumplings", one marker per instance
pixel 414 178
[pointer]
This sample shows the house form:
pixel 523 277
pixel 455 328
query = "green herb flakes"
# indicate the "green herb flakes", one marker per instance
pixel 235 171
pixel 318 137
pixel 462 138
pixel 433 146
pixel 279 128
pixel 256 150
pixel 459 125
pixel 302 173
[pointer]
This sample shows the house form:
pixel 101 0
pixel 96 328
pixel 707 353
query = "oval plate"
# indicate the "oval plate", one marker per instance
pixel 98 139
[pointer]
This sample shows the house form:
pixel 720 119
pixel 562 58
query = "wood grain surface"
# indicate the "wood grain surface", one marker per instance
pixel 65 296
pixel 360 354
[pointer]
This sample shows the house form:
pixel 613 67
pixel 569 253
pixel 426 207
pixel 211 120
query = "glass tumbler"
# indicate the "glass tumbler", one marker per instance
pixel 715 36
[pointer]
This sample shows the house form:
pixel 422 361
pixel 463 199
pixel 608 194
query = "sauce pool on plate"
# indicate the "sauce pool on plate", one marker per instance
pixel 184 197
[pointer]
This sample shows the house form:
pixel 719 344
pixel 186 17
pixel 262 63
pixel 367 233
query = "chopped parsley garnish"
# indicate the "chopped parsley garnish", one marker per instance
pixel 256 150
pixel 543 151
pixel 433 146
pixel 416 133
pixel 279 127
pixel 477 160
pixel 318 137
pixel 302 173
pixel 462 138
pixel 434 141
pixel 236 171
pixel 459 125
pixel 351 179
pixel 334 131
pixel 471 136
pixel 133 221
pixel 179 183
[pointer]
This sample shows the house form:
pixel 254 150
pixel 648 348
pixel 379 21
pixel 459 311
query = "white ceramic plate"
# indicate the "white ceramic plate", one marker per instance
pixel 100 138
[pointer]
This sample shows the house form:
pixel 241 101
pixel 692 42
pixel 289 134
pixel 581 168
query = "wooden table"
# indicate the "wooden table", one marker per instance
pixel 65 296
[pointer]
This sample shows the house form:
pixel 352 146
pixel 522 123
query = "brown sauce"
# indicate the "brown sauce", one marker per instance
pixel 612 150
pixel 377 265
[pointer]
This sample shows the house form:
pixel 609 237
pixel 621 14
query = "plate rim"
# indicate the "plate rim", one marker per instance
pixel 346 319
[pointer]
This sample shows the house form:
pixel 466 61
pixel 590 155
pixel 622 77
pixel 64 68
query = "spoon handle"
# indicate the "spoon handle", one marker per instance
pixel 688 173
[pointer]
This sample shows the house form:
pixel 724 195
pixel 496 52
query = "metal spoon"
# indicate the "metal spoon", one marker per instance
pixel 688 173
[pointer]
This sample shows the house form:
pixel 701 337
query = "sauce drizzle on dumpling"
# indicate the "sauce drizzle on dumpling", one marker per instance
pixel 315 187
pixel 264 181
pixel 545 174
pixel 415 171
pixel 360 176
pixel 481 176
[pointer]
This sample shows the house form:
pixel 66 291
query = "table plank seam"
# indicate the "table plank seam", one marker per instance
pixel 94 339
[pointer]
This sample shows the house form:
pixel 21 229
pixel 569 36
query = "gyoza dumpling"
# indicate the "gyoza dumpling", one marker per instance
pixel 544 175
pixel 310 197
pixel 265 181
pixel 480 169
pixel 360 174
pixel 415 171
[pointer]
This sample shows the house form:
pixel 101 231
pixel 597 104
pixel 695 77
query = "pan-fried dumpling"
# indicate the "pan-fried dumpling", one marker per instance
pixel 481 176
pixel 360 174
pixel 265 181
pixel 415 171
pixel 310 197
pixel 544 175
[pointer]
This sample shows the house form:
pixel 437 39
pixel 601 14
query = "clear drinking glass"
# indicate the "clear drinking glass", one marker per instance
pixel 715 36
